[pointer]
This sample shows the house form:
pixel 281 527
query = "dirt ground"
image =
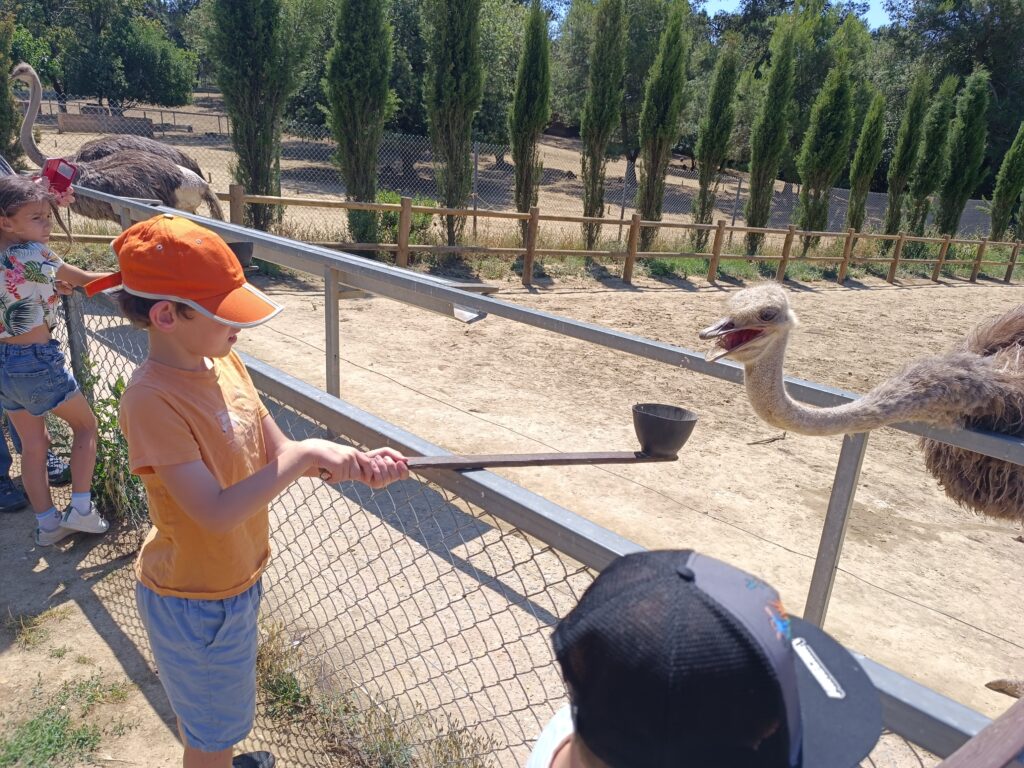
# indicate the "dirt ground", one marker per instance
pixel 924 587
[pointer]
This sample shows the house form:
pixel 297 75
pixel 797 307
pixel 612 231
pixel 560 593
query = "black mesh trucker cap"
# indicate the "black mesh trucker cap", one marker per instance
pixel 677 660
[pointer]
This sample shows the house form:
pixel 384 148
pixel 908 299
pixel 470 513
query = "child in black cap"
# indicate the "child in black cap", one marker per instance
pixel 677 660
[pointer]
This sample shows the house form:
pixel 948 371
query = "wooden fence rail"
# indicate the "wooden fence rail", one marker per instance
pixel 237 199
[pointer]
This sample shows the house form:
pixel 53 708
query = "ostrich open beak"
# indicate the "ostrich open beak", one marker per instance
pixel 730 337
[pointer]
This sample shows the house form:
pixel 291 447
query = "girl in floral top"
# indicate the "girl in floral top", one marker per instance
pixel 34 377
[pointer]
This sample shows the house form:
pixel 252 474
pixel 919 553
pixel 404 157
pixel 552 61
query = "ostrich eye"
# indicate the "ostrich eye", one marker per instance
pixel 767 315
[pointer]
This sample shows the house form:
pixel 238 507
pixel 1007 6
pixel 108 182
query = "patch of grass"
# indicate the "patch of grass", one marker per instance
pixel 58 653
pixel 84 660
pixel 32 631
pixel 354 729
pixel 55 735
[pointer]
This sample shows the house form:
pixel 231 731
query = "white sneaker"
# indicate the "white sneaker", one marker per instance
pixel 90 523
pixel 48 538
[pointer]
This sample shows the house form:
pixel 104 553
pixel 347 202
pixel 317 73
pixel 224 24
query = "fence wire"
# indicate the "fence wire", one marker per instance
pixel 406 168
pixel 401 627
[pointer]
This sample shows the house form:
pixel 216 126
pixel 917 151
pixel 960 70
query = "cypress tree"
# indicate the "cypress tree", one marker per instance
pixel 452 92
pixel 10 115
pixel 253 50
pixel 965 152
pixel 530 109
pixel 358 70
pixel 931 155
pixel 713 137
pixel 865 161
pixel 659 118
pixel 601 108
pixel 1009 185
pixel 905 152
pixel 826 148
pixel 770 134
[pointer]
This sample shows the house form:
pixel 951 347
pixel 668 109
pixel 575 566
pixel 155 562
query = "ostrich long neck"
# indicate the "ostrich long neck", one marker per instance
pixel 921 393
pixel 28 142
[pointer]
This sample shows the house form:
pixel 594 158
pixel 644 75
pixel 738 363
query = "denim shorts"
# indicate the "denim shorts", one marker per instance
pixel 34 377
pixel 205 651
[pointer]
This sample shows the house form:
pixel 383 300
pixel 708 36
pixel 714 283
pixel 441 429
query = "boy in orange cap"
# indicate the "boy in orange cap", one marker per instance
pixel 211 459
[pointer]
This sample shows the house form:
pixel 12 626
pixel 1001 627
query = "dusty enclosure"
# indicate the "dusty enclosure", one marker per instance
pixel 924 587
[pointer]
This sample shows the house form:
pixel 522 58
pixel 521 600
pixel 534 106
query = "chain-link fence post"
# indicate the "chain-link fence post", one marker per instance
pixel 476 171
pixel 78 343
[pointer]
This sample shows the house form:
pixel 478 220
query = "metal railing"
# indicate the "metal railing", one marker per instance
pixel 921 715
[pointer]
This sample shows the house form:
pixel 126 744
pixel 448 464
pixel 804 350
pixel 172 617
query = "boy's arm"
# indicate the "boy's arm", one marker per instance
pixel 198 493
pixel 77 277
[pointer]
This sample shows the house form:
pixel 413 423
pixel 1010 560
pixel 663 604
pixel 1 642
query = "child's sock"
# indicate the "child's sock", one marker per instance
pixel 48 520
pixel 82 502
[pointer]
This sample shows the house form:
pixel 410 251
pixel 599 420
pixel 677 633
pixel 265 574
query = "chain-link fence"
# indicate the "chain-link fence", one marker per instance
pixel 402 627
pixel 308 169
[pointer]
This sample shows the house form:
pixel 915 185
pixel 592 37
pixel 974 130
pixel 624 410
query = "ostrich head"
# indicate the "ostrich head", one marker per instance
pixel 25 73
pixel 758 321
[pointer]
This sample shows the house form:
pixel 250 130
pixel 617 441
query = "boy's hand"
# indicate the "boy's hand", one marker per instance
pixel 63 287
pixel 336 463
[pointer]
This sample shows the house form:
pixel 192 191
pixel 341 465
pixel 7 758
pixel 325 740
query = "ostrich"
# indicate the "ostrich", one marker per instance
pixel 127 173
pixel 105 145
pixel 978 384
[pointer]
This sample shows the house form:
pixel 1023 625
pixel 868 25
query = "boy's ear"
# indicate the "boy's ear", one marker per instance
pixel 5 224
pixel 163 315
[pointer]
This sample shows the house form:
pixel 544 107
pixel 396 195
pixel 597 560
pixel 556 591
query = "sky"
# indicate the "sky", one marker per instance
pixel 876 15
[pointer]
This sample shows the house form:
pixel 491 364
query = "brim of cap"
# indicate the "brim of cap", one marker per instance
pixel 244 307
pixel 839 706
pixel 103 284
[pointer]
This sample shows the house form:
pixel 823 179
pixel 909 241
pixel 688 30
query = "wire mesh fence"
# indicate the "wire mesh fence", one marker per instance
pixel 402 627
pixel 406 168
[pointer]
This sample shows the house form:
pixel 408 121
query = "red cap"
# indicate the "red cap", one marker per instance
pixel 169 257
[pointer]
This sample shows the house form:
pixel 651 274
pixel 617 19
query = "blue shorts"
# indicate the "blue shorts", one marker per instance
pixel 34 377
pixel 205 652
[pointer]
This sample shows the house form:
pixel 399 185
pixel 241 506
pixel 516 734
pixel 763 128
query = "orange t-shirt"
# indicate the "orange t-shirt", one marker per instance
pixel 171 416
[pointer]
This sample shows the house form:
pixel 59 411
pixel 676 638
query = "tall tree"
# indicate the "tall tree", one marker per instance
pixel 965 152
pixel 601 109
pixel 770 133
pixel 502 25
pixel 453 93
pixel 905 152
pixel 659 119
pixel 713 137
pixel 645 20
pixel 931 154
pixel 530 108
pixel 865 161
pixel 954 37
pixel 570 55
pixel 358 70
pixel 252 45
pixel 826 148
pixel 1009 185
pixel 409 66
pixel 10 115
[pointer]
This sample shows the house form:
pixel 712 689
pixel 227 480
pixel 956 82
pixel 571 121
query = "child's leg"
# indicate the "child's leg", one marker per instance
pixel 34 443
pixel 79 416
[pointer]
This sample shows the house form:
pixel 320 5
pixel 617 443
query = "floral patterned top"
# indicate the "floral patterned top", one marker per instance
pixel 27 294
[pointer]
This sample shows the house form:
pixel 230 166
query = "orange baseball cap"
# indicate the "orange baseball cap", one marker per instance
pixel 170 257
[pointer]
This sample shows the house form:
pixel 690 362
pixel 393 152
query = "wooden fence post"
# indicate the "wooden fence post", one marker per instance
pixel 631 246
pixel 943 250
pixel 897 252
pixel 236 203
pixel 847 252
pixel 1013 261
pixel 404 226
pixel 976 267
pixel 716 251
pixel 787 246
pixel 531 245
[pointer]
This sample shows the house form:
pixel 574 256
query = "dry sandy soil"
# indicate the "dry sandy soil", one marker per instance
pixel 925 588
